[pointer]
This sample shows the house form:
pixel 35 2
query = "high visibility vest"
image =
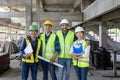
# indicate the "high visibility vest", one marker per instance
pixel 31 59
pixel 81 62
pixel 65 44
pixel 48 49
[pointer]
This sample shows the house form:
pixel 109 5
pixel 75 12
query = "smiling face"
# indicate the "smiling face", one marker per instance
pixel 64 26
pixel 47 28
pixel 88 42
pixel 33 33
pixel 80 35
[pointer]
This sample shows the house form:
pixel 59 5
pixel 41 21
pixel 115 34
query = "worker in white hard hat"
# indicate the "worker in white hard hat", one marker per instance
pixel 66 38
pixel 87 40
pixel 80 52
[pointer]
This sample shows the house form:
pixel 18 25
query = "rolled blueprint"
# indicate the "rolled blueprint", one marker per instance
pixel 59 65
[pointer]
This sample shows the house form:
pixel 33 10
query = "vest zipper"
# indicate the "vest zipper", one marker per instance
pixel 77 61
pixel 64 47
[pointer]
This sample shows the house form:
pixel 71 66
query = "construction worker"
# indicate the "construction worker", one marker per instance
pixel 87 40
pixel 66 38
pixel 30 59
pixel 80 51
pixel 50 50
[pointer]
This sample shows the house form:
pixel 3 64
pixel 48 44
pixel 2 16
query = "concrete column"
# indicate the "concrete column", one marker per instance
pixel 103 34
pixel 28 13
pixel 38 5
pixel 38 9
pixel 100 34
pixel 9 37
pixel 39 25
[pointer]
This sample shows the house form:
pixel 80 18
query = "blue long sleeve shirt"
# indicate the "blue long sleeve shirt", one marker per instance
pixel 34 46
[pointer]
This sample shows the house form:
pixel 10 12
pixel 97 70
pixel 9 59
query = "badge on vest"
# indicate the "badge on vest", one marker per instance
pixel 77 48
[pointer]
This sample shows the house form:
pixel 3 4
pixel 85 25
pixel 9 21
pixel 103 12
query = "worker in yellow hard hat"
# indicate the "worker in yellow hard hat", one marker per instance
pixel 29 50
pixel 50 50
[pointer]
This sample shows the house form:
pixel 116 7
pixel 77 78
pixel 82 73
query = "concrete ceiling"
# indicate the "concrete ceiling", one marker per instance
pixel 46 5
pixel 54 9
pixel 40 5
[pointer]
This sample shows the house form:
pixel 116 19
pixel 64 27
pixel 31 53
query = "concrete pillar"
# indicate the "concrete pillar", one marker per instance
pixel 38 9
pixel 39 25
pixel 28 13
pixel 103 34
pixel 38 5
pixel 9 37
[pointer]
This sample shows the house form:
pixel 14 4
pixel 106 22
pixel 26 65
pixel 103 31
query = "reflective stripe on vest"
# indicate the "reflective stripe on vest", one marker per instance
pixel 65 44
pixel 31 59
pixel 82 62
pixel 48 48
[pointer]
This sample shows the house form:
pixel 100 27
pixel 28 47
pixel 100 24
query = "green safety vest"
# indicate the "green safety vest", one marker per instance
pixel 65 44
pixel 48 49
pixel 81 62
pixel 31 59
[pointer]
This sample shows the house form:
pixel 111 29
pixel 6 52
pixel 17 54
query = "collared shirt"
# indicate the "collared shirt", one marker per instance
pixel 65 34
pixel 57 44
pixel 86 51
pixel 34 46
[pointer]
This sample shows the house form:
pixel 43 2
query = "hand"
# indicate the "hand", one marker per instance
pixel 73 55
pixel 27 55
pixel 80 56
pixel 39 67
pixel 52 60
pixel 76 55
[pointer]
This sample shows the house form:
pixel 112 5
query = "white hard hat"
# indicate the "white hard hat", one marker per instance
pixel 78 29
pixel 41 30
pixel 87 38
pixel 64 21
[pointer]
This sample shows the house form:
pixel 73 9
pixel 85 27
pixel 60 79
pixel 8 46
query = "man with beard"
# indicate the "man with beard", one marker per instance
pixel 66 38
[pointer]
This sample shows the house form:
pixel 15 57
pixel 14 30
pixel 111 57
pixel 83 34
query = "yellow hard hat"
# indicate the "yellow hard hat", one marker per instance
pixel 47 22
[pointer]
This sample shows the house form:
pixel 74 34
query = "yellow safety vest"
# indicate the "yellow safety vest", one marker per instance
pixel 31 59
pixel 65 44
pixel 81 62
pixel 48 49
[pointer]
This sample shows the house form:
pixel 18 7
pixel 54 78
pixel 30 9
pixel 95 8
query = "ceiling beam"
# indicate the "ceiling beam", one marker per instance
pixel 99 8
pixel 39 4
pixel 59 6
pixel 77 3
pixel 57 16
pixel 12 14
pixel 12 2
pixel 16 24
pixel 6 20
pixel 90 23
pixel 112 15
pixel 42 16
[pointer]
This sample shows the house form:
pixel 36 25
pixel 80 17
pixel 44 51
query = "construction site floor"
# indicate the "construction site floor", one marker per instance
pixel 14 73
